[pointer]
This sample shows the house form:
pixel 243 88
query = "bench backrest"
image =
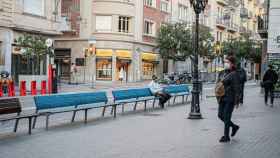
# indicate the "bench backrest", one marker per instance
pixel 177 89
pixel 131 93
pixel 10 106
pixel 68 100
pixel 124 94
pixel 143 92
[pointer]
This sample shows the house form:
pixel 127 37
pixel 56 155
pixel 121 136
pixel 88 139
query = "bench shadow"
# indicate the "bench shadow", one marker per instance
pixel 93 120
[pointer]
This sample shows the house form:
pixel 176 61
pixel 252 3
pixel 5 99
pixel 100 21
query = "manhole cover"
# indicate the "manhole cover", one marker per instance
pixel 152 114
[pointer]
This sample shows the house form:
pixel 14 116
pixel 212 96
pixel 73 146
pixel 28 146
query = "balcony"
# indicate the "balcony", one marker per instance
pixel 232 27
pixel 262 26
pixel 222 2
pixel 242 30
pixel 250 15
pixel 244 13
pixel 220 22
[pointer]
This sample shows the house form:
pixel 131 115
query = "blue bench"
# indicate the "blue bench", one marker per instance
pixel 48 105
pixel 178 90
pixel 133 95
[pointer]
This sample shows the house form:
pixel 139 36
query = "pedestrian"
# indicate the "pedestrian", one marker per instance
pixel 121 75
pixel 270 78
pixel 158 91
pixel 243 79
pixel 229 79
pixel 73 72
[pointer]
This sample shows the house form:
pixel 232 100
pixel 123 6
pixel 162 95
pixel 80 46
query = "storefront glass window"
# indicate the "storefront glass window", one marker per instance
pixel 104 69
pixel 148 70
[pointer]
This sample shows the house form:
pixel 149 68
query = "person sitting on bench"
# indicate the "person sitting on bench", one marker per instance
pixel 158 91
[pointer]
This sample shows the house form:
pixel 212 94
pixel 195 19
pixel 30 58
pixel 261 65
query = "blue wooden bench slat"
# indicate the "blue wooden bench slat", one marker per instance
pixel 69 100
pixel 52 102
pixel 177 89
pixel 124 94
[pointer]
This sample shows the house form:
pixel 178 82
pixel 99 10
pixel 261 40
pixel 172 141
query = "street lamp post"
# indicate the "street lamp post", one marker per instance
pixel 199 6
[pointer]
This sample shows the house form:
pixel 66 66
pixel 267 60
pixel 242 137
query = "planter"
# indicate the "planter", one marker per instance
pixel 29 78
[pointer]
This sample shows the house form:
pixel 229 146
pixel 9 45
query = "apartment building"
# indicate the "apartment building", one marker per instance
pixel 124 33
pixel 18 17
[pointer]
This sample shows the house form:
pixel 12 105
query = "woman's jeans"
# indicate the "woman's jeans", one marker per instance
pixel 226 107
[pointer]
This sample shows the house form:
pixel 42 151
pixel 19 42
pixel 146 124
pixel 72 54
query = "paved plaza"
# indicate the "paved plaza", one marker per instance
pixel 153 134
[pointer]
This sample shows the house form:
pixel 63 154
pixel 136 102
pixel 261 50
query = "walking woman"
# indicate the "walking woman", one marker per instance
pixel 230 81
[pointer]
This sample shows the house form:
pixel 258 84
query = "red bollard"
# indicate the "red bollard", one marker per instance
pixel 33 88
pixel 43 87
pixel 22 88
pixel 1 90
pixel 11 88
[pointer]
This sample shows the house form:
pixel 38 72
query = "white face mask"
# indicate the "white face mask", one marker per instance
pixel 227 66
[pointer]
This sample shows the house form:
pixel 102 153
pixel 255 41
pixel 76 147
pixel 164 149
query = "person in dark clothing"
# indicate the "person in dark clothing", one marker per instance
pixel 230 80
pixel 270 78
pixel 243 78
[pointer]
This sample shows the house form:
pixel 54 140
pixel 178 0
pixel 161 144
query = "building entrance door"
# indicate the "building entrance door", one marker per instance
pixel 122 70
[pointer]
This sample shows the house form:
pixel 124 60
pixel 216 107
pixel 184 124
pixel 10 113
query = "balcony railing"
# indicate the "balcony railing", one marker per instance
pixel 263 26
pixel 232 27
pixel 220 22
pixel 242 29
pixel 262 22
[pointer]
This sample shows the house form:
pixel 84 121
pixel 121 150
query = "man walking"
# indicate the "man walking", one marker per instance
pixel 270 78
pixel 243 78
pixel 73 72
pixel 228 98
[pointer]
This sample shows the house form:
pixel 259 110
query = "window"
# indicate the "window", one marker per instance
pixel 149 27
pixel 103 24
pixel 2 55
pixel 164 5
pixel 36 7
pixel 103 69
pixel 124 24
pixel 150 3
pixel 183 11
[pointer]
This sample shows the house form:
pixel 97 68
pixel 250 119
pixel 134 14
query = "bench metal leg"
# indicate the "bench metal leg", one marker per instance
pixel 86 112
pixel 183 99
pixel 122 108
pixel 145 106
pixel 154 101
pixel 16 123
pixel 169 102
pixel 174 100
pixel 103 112
pixel 34 121
pixel 135 106
pixel 29 125
pixel 112 110
pixel 73 117
pixel 115 110
pixel 47 121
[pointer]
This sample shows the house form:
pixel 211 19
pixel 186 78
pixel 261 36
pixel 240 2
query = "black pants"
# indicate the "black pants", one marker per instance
pixel 226 108
pixel 269 90
pixel 241 92
pixel 163 97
